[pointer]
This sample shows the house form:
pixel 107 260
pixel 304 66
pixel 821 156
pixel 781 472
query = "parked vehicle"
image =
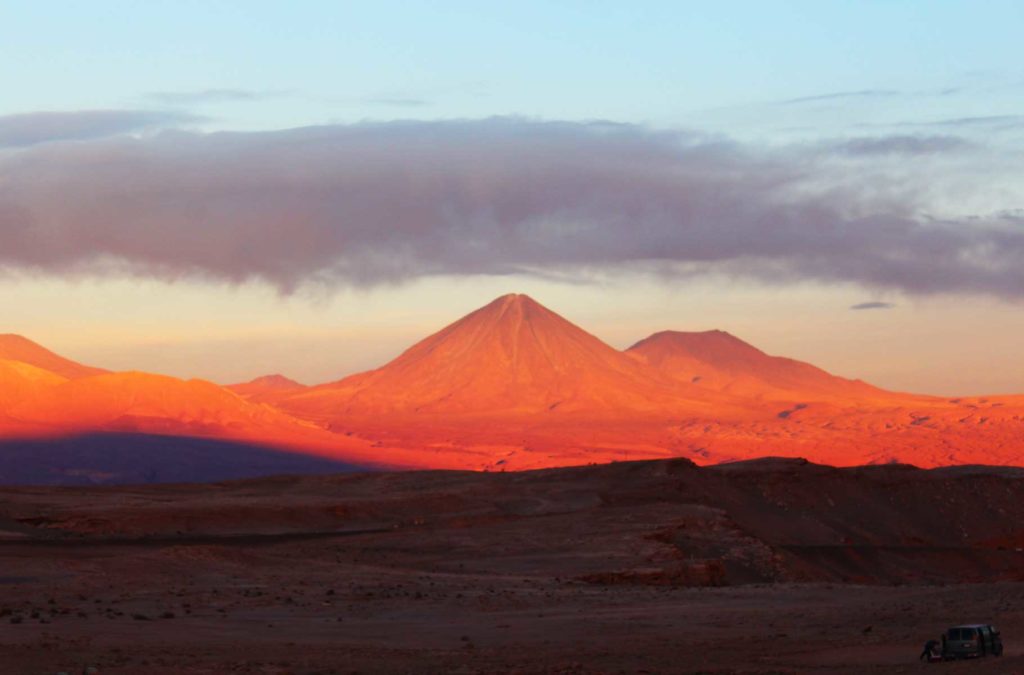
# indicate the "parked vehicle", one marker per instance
pixel 971 641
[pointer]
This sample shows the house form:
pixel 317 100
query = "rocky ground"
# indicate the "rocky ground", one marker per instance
pixel 656 567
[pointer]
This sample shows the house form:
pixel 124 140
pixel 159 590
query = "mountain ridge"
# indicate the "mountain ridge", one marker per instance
pixel 720 360
pixel 266 388
pixel 513 356
pixel 14 347
pixel 514 385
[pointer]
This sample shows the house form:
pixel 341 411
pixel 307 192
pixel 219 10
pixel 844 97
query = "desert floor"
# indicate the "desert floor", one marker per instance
pixel 339 575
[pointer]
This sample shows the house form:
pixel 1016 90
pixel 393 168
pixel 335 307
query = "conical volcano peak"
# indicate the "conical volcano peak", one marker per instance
pixel 512 354
pixel 518 298
pixel 507 324
pixel 512 330
pixel 511 298
pixel 517 304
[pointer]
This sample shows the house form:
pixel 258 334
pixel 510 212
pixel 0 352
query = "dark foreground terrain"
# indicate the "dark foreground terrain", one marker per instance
pixel 772 566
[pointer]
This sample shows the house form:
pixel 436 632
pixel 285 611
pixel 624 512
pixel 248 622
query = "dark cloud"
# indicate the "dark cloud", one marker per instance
pixel 841 95
pixel 873 305
pixel 41 127
pixel 379 203
pixel 210 96
pixel 901 145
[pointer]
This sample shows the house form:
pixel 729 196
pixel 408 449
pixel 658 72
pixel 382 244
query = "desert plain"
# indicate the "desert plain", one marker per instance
pixel 765 566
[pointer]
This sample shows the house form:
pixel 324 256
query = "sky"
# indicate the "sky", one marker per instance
pixel 227 189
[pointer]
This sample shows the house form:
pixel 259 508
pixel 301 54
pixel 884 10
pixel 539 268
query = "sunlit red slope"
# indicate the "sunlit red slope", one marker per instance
pixel 512 357
pixel 134 402
pixel 36 403
pixel 832 419
pixel 267 389
pixel 144 402
pixel 20 382
pixel 110 428
pixel 719 361
pixel 513 385
pixel 24 376
pixel 18 348
pixel 41 388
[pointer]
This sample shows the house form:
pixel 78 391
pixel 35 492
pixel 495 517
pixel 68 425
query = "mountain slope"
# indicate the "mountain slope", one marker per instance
pixel 266 389
pixel 511 357
pixel 20 382
pixel 515 386
pixel 717 360
pixel 145 402
pixel 18 348
pixel 134 404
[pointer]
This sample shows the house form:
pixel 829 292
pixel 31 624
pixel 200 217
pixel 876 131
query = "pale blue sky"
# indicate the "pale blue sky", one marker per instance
pixel 666 63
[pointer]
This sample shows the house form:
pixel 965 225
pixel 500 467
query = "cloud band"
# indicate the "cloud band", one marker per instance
pixel 378 203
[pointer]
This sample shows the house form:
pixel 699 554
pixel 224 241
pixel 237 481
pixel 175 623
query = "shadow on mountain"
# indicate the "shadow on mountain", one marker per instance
pixel 133 458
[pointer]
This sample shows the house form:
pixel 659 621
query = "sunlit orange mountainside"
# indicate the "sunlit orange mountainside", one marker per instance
pixel 19 349
pixel 718 361
pixel 513 386
pixel 267 388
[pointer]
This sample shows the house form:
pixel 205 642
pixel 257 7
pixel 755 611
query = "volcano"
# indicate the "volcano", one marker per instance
pixel 719 361
pixel 513 357
pixel 513 385
pixel 266 389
